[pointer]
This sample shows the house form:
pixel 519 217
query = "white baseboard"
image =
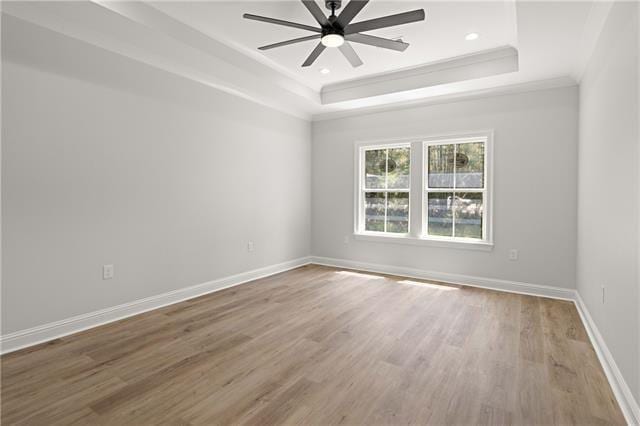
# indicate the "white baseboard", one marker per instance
pixel 626 401
pixel 24 338
pixel 490 283
pixel 32 336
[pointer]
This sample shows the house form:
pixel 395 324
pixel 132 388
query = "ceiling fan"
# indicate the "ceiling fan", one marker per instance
pixel 338 31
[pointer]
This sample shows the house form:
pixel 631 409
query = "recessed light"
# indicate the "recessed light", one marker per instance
pixel 325 70
pixel 471 36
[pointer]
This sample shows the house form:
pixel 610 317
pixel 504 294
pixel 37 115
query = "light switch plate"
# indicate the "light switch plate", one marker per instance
pixel 107 272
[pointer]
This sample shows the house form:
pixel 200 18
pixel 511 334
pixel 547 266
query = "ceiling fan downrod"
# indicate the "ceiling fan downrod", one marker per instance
pixel 333 5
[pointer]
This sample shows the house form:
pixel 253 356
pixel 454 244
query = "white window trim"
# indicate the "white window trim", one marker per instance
pixel 359 222
pixel 486 190
pixel 417 193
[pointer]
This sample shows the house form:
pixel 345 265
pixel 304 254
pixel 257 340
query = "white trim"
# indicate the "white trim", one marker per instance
pixel 360 152
pixel 421 100
pixel 377 237
pixel 421 69
pixel 487 190
pixel 489 283
pixel 417 228
pixel 490 62
pixel 621 390
pixel 43 333
pixel 216 66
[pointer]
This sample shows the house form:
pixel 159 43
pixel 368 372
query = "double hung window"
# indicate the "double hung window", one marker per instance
pixel 436 189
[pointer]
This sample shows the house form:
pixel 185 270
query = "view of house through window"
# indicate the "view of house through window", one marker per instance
pixel 386 189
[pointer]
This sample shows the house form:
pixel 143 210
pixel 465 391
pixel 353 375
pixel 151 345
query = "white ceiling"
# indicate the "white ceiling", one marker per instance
pixel 210 42
pixel 441 35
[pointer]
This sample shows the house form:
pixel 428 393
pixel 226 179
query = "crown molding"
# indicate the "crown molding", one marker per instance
pixel 144 33
pixel 137 31
pixel 157 20
pixel 467 67
pixel 500 90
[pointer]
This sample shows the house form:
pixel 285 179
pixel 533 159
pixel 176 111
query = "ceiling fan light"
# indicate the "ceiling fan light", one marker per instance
pixel 332 40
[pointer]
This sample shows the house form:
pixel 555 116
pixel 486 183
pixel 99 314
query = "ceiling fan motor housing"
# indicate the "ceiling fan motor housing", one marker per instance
pixel 333 27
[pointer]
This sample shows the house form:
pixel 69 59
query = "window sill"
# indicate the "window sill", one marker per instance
pixel 428 242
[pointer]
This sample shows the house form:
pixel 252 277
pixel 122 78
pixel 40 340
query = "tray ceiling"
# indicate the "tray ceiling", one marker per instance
pixel 521 45
pixel 440 36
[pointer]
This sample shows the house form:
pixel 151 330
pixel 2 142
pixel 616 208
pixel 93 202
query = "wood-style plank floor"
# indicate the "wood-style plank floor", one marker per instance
pixel 319 345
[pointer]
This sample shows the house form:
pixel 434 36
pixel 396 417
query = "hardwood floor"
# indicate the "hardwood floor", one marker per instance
pixel 318 345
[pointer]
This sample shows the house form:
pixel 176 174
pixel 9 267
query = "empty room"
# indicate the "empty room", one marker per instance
pixel 318 212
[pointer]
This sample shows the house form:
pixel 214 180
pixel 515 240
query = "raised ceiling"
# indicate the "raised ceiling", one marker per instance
pixel 440 36
pixel 521 45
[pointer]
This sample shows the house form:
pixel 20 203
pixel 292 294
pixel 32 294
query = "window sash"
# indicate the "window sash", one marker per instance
pixel 363 167
pixel 386 214
pixel 425 209
pixel 454 189
pixel 389 190
pixel 361 225
pixel 455 144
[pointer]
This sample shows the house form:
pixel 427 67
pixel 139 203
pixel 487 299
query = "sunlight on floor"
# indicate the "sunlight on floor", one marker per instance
pixel 360 274
pixel 441 286
pixel 430 285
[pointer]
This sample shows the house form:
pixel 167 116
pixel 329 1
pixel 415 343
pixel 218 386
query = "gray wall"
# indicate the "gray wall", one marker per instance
pixel 608 189
pixel 108 161
pixel 535 149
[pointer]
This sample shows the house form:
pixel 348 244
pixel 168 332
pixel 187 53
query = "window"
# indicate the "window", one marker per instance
pixel 384 190
pixel 449 193
pixel 455 189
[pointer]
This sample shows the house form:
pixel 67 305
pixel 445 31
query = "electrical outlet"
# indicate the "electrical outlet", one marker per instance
pixel 107 272
pixel 602 287
pixel 250 246
pixel 346 239
pixel 513 254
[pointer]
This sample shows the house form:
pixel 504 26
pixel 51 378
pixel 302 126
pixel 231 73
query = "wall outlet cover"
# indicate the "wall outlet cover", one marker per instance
pixel 107 272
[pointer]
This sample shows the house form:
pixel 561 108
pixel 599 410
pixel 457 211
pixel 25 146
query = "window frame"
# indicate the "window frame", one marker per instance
pixel 361 189
pixel 486 197
pixel 418 188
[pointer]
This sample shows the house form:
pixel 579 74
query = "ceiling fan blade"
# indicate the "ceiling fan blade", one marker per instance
pixel 386 21
pixel 350 54
pixel 314 55
pixel 385 43
pixel 281 22
pixel 350 11
pixel 292 41
pixel 315 10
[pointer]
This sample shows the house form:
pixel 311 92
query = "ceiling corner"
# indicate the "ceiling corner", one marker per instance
pixel 598 14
